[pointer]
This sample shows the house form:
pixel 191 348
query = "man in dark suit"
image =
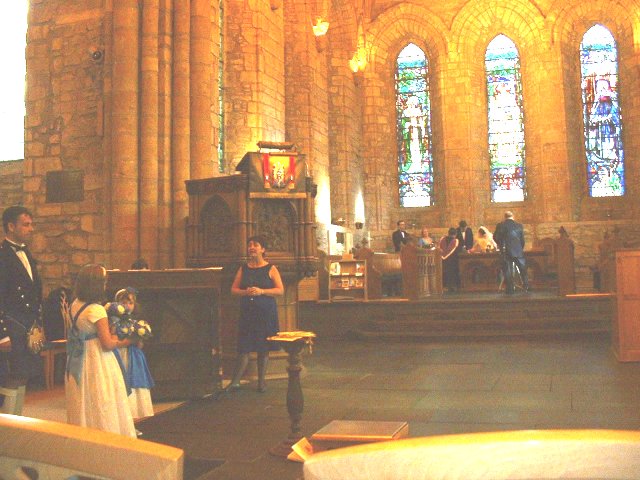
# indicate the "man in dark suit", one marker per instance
pixel 400 236
pixel 20 296
pixel 464 234
pixel 509 236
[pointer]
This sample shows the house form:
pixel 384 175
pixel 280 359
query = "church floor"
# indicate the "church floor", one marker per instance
pixel 438 387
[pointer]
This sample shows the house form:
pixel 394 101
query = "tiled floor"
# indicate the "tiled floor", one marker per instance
pixel 439 388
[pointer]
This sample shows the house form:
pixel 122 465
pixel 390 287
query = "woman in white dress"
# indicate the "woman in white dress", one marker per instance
pixel 95 390
pixel 484 242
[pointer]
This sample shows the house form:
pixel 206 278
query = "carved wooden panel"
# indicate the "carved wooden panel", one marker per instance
pixel 274 219
pixel 217 221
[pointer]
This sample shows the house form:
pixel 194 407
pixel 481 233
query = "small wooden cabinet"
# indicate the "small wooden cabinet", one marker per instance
pixel 347 279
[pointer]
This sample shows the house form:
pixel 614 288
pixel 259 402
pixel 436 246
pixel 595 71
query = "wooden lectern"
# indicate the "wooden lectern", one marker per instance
pixel 270 195
pixel 421 271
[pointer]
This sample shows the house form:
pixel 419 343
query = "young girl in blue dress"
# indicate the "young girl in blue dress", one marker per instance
pixel 136 371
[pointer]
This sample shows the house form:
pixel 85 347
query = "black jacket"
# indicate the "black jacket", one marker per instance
pixel 399 239
pixel 20 297
pixel 509 236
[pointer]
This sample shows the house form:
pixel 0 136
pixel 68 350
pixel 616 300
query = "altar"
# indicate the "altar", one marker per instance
pixel 480 272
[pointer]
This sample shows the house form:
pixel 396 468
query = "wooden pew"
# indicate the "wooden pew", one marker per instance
pixel 384 273
pixel 527 454
pixel 55 450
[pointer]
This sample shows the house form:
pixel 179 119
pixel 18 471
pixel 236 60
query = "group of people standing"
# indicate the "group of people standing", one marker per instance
pixel 508 238
pixel 103 389
pixel 96 393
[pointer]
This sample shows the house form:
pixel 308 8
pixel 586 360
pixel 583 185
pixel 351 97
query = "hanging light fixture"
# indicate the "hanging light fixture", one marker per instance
pixel 359 60
pixel 321 27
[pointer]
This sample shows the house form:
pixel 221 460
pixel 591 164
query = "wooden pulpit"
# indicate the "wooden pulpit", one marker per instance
pixel 269 195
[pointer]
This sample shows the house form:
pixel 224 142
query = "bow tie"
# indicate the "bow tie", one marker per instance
pixel 18 248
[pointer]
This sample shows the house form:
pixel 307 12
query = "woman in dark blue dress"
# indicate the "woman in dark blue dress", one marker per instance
pixel 257 283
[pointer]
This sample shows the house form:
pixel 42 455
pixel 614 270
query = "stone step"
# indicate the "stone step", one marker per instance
pixel 462 316
pixel 484 328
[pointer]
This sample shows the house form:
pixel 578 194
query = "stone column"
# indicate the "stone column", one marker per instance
pixel 307 105
pixel 165 62
pixel 202 71
pixel 181 151
pixel 148 243
pixel 465 160
pixel 123 237
pixel 254 76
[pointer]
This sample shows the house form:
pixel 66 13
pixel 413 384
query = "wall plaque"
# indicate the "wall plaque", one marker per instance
pixel 65 186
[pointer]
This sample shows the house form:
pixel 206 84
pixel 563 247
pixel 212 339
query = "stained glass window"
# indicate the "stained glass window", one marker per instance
pixel 415 158
pixel 601 111
pixel 506 121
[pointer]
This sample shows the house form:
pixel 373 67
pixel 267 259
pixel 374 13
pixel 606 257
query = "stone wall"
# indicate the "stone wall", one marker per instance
pixel 454 42
pixel 11 183
pixel 126 93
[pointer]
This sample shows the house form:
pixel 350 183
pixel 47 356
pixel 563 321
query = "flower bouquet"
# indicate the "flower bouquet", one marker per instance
pixel 142 329
pixel 120 320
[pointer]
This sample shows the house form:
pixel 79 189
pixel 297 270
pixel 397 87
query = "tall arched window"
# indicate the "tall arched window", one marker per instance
pixel 415 159
pixel 506 120
pixel 601 112
pixel 13 38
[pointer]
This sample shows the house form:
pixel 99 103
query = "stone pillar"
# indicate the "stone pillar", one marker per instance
pixel 548 171
pixel 464 121
pixel 307 105
pixel 202 70
pixel 123 225
pixel 148 208
pixel 165 62
pixel 344 128
pixel 181 152
pixel 254 76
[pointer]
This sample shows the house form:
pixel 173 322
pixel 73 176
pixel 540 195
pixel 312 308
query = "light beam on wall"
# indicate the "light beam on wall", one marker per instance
pixel 359 215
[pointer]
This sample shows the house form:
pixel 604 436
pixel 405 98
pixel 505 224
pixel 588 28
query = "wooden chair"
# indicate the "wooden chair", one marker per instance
pixel 56 347
pixel 49 354
pixel 533 454
pixel 13 399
